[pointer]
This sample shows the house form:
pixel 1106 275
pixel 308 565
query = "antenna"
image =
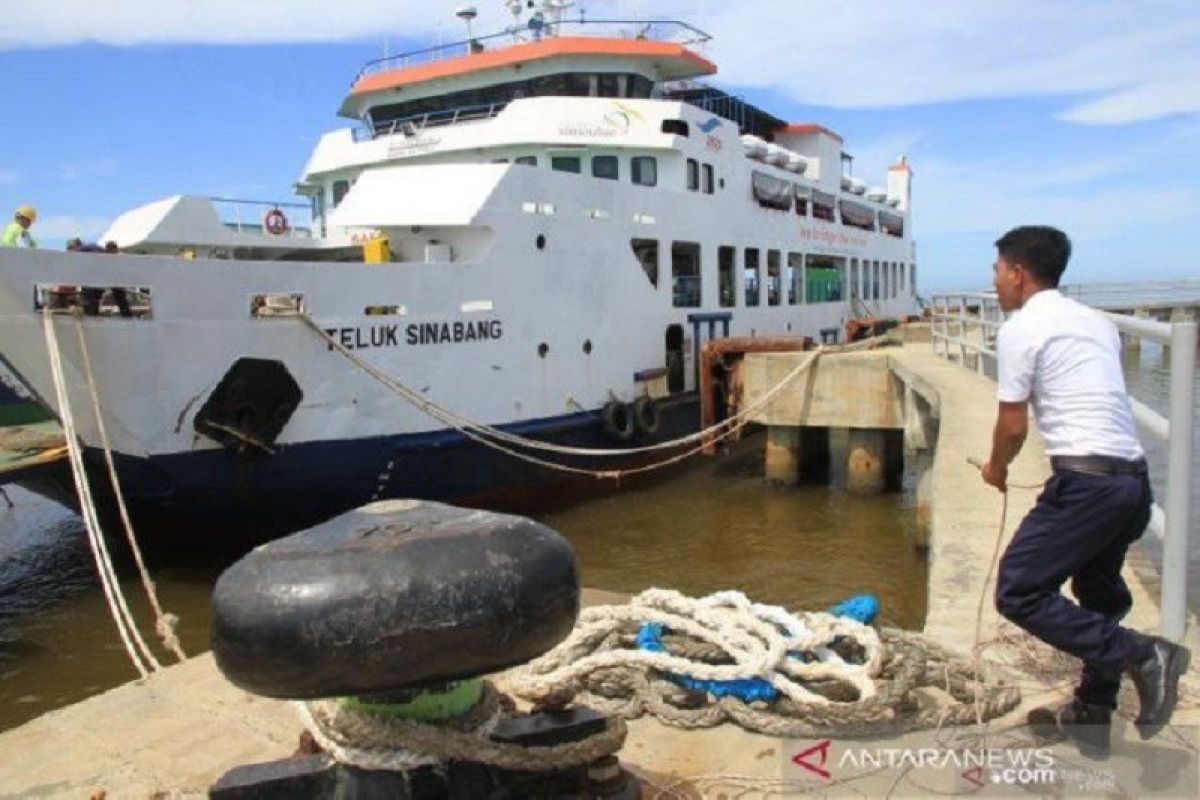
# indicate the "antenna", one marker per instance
pixel 466 14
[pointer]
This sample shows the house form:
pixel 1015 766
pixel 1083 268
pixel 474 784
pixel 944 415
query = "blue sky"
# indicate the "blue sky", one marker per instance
pixel 1075 113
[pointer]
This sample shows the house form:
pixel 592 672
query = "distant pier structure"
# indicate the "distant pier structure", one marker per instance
pixel 1165 301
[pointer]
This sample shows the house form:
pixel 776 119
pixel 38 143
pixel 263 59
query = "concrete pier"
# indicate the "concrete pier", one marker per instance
pixel 179 730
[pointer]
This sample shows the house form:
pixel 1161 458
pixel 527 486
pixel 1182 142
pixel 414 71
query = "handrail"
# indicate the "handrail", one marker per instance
pixel 519 34
pixel 1170 522
pixel 953 310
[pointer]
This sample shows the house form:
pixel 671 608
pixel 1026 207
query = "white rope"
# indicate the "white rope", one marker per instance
pixel 492 437
pixel 164 623
pixel 758 639
pixel 141 656
pixel 363 758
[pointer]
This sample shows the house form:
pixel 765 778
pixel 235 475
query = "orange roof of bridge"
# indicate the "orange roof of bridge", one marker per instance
pixel 534 51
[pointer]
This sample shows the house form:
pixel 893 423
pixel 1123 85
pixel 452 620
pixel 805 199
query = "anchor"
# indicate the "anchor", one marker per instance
pixel 386 620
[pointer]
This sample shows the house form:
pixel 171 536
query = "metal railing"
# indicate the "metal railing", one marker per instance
pixel 231 210
pixel 1177 293
pixel 1171 523
pixel 968 323
pixel 410 125
pixel 658 30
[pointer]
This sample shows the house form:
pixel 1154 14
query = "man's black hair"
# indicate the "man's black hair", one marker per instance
pixel 1042 250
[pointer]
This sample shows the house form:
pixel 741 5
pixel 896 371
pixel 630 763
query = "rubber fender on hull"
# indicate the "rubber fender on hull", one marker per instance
pixel 252 403
pixel 646 415
pixel 618 421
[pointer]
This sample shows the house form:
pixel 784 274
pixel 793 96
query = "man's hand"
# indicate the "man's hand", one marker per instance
pixel 995 475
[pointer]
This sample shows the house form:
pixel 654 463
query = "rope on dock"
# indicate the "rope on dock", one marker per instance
pixel 724 636
pixel 165 623
pixel 372 741
pixel 504 441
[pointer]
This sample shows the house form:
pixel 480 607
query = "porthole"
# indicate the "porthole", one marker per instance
pixel 543 349
pixel 587 347
pixel 541 241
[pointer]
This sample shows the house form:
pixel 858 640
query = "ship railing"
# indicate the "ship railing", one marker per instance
pixel 960 324
pixel 249 216
pixel 657 30
pixel 414 123
pixel 1143 294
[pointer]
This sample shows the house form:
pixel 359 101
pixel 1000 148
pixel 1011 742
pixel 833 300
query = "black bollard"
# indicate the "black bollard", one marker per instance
pixel 392 605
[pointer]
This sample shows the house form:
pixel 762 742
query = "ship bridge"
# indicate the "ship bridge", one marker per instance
pixel 617 59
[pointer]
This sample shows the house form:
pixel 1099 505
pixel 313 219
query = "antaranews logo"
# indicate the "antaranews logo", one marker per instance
pixel 977 766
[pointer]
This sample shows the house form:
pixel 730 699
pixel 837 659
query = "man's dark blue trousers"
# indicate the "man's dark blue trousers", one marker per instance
pixel 1080 529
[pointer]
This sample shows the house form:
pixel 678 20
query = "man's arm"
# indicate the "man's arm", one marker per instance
pixel 1012 423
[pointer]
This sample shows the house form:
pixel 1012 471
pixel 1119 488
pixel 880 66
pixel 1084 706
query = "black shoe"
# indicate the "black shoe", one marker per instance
pixel 1089 726
pixel 1156 676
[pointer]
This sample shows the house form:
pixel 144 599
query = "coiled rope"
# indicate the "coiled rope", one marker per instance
pixel 505 441
pixel 725 636
pixel 139 652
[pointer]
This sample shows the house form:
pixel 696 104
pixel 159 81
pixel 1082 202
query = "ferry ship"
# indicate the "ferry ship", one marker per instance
pixel 535 230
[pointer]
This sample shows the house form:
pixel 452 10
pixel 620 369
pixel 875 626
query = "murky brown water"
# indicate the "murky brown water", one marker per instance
pixel 715 525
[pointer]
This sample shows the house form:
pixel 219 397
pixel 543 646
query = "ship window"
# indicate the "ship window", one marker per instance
pixel 644 170
pixel 566 164
pixel 646 252
pixel 529 161
pixel 823 279
pixel 750 276
pixel 607 85
pixel 802 194
pixel 685 274
pixel 795 271
pixel 912 278
pixel 693 175
pixel 675 126
pixel 708 178
pixel 726 280
pixel 605 167
pixel 774 278
pixel 499 160
pixel 822 205
pixel 875 281
pixel 638 87
pixel 854 280
pixel 340 188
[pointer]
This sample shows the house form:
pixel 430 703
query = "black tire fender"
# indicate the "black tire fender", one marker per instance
pixel 618 421
pixel 646 415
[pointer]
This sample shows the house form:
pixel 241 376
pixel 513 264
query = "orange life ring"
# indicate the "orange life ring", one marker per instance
pixel 275 222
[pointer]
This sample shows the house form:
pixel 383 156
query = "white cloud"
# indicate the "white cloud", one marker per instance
pixel 95 168
pixel 1117 61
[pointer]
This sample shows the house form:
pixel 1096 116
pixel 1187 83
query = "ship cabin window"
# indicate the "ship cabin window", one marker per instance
pixel 802 194
pixel 566 164
pixel 774 278
pixel 823 279
pixel 675 126
pixel 726 279
pixel 693 175
pixel 708 179
pixel 529 161
pixel 605 167
pixel 685 274
pixel 912 278
pixel 644 170
pixel 854 280
pixel 750 275
pixel 646 253
pixel 608 85
pixel 340 190
pixel 795 272
pixel 499 160
pixel 887 280
pixel 866 281
pixel 875 281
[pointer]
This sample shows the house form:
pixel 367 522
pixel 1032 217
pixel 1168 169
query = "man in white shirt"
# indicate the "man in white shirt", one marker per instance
pixel 1064 358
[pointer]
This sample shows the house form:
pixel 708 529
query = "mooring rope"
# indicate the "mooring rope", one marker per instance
pixel 165 623
pixel 139 653
pixel 727 637
pixel 379 742
pixel 504 441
